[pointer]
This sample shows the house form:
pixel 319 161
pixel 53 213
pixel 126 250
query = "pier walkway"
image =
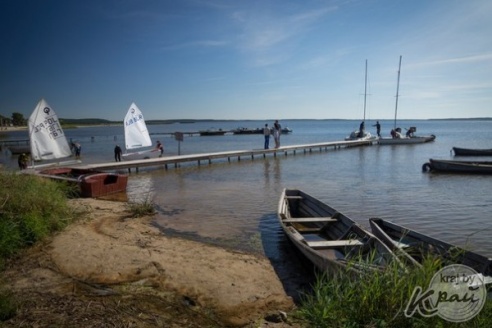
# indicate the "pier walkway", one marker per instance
pixel 208 157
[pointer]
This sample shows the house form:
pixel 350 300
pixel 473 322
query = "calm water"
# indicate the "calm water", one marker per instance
pixel 234 204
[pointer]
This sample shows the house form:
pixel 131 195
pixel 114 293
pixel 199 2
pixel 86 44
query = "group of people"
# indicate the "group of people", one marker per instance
pixel 276 131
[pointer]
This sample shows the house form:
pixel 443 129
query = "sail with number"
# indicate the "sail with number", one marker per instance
pixel 46 135
pixel 136 133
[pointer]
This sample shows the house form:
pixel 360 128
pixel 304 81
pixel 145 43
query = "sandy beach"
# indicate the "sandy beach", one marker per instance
pixel 109 269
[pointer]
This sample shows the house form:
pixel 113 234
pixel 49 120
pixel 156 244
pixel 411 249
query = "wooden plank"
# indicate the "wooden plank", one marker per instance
pixel 293 197
pixel 334 243
pixel 308 220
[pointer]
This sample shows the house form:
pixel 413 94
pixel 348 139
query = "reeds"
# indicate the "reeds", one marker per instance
pixel 376 298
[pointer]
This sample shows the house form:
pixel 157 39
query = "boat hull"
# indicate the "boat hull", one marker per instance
pixel 92 184
pixel 406 140
pixel 327 238
pixel 471 152
pixel 468 167
pixel 417 246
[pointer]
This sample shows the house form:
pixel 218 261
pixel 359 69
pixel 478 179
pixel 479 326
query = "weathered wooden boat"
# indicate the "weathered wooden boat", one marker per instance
pixel 329 239
pixel 415 247
pixel 449 166
pixel 471 152
pixel 91 183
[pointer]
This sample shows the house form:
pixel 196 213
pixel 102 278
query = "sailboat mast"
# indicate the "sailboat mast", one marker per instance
pixel 397 90
pixel 365 94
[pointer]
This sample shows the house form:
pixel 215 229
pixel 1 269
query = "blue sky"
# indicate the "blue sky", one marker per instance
pixel 251 59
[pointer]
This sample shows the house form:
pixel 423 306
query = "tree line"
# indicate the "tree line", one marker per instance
pixel 17 119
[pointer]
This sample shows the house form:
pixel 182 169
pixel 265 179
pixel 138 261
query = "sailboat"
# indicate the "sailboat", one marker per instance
pixel 361 134
pixel 136 133
pixel 46 137
pixel 48 142
pixel 396 137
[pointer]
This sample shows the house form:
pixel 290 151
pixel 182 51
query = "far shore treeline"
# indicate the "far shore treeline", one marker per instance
pixel 18 119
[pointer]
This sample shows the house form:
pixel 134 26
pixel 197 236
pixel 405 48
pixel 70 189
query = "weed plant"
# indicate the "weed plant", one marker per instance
pixel 376 299
pixel 142 208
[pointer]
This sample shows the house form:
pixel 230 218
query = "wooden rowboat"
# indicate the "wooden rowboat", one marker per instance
pixel 91 183
pixel 329 239
pixel 471 152
pixel 473 167
pixel 415 247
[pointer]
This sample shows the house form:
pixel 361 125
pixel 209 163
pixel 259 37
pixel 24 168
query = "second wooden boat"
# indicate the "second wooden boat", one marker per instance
pixel 329 239
pixel 415 247
pixel 471 167
pixel 471 152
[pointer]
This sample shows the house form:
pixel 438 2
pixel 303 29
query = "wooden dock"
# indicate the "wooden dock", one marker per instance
pixel 208 157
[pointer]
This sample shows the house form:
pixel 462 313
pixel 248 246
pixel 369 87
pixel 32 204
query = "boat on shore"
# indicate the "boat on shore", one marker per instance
pixel 329 239
pixel 415 247
pixel 91 183
pixel 471 152
pixel 452 166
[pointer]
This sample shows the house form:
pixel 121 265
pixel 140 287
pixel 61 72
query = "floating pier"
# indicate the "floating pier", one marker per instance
pixel 209 157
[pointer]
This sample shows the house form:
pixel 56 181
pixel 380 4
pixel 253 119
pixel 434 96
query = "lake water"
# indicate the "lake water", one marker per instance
pixel 234 204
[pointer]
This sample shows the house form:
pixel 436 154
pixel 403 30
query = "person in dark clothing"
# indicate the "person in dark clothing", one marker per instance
pixel 361 130
pixel 22 161
pixel 378 128
pixel 117 153
pixel 159 147
pixel 266 133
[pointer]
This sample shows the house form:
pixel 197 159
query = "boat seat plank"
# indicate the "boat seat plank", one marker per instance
pixel 334 243
pixel 293 197
pixel 308 220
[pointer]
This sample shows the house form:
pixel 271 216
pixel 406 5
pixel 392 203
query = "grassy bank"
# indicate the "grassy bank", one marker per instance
pixel 377 299
pixel 31 208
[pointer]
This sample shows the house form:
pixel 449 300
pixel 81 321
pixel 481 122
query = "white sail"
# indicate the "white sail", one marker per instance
pixel 46 134
pixel 136 133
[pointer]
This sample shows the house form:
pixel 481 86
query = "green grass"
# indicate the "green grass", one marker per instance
pixel 375 299
pixel 31 208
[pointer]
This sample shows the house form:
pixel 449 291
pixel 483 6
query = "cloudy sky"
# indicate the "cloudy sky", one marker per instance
pixel 249 59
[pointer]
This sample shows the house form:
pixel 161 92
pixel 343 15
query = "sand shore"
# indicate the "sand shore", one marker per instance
pixel 112 270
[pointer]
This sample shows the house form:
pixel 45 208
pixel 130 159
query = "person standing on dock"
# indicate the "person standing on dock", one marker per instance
pixel 159 147
pixel 277 130
pixel 117 153
pixel 266 133
pixel 77 149
pixel 378 128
